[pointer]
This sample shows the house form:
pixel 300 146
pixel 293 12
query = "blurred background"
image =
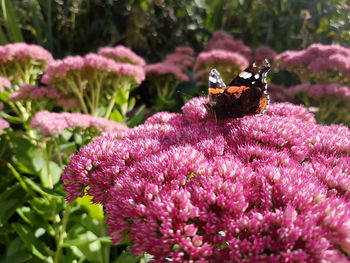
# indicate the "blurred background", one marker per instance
pixel 153 28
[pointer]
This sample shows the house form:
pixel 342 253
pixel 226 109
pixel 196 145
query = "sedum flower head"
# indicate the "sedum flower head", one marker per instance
pixel 228 64
pixel 51 123
pixel 185 188
pixel 121 54
pixel 318 63
pixel 166 69
pixel 22 63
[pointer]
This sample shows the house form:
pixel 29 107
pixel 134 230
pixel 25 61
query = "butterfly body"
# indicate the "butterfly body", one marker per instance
pixel 244 95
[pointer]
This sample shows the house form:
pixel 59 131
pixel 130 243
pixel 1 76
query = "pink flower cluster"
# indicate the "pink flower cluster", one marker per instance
pixel 184 188
pixel 163 68
pixel 174 64
pixel 4 84
pixel 51 123
pixel 33 92
pixel 21 51
pixel 228 63
pixel 3 124
pixel 182 57
pixel 223 41
pixel 265 52
pixel 61 68
pixel 323 63
pixel 220 57
pixel 318 91
pixel 315 91
pixel 121 54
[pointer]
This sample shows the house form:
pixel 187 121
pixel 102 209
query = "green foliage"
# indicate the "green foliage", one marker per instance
pixel 281 24
pixel 36 224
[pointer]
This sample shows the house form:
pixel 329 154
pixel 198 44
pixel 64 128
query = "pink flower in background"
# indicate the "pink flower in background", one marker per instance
pixel 278 92
pixel 318 91
pixel 4 84
pixel 23 63
pixel 93 81
pixel 181 60
pixel 184 50
pixel 51 123
pixel 60 68
pixel 220 56
pixel 132 71
pixel 33 92
pixel 223 41
pixel 318 63
pixel 272 187
pixel 163 68
pixel 3 124
pixel 121 54
pixel 265 52
pixel 19 51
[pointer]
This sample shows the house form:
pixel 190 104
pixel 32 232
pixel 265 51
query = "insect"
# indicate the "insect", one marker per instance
pixel 245 95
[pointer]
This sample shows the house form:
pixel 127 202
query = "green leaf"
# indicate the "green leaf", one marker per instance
pixel 28 158
pixel 50 174
pixel 3 37
pixel 11 198
pixel 37 21
pixel 121 97
pixel 94 210
pixel 138 118
pixel 131 103
pixel 90 245
pixel 116 116
pixel 11 21
pixel 34 219
pixel 126 257
pixel 35 246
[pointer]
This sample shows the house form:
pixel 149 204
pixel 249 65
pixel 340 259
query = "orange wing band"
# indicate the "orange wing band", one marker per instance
pixel 215 91
pixel 234 89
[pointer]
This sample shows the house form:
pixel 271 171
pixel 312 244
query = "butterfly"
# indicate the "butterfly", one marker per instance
pixel 245 95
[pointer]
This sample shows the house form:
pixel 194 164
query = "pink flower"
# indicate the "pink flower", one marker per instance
pixel 318 63
pixel 163 68
pixel 264 52
pixel 4 84
pixel 19 51
pixel 184 50
pixel 319 91
pixel 181 60
pixel 3 124
pixel 264 188
pixel 51 123
pixel 60 68
pixel 220 56
pixel 278 92
pixel 223 41
pixel 121 54
pixel 34 92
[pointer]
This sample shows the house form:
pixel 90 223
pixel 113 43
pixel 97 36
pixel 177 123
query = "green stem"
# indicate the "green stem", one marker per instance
pixel 61 234
pixel 77 92
pixel 111 104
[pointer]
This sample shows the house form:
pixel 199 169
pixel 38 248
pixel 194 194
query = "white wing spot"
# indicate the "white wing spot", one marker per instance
pixel 212 79
pixel 245 75
pixel 256 76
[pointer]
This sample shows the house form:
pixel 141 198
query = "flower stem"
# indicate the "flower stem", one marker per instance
pixel 61 233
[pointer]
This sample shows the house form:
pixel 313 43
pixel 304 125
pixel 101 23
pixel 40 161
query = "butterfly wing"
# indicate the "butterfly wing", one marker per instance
pixel 253 76
pixel 245 95
pixel 215 83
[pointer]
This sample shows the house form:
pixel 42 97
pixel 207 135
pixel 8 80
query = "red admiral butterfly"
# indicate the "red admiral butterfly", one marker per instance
pixel 245 95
